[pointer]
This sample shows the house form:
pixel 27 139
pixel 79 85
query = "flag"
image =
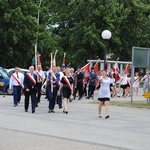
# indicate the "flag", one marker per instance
pixel 64 60
pixel 127 69
pixel 116 72
pixel 86 68
pixel 96 67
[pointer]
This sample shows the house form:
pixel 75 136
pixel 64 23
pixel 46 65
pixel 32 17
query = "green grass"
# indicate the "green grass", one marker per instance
pixel 135 104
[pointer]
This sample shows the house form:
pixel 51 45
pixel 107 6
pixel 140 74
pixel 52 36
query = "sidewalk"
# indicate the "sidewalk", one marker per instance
pixel 81 129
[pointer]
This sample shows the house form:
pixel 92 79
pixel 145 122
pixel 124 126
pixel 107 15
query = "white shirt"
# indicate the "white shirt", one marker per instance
pixel 61 75
pixel 13 80
pixel 124 80
pixel 104 91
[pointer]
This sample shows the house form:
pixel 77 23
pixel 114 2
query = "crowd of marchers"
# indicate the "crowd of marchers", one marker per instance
pixel 62 85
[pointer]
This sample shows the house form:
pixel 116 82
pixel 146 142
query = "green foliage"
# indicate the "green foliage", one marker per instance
pixel 71 26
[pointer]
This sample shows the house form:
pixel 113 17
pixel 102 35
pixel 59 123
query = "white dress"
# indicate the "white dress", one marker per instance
pixel 104 91
pixel 136 82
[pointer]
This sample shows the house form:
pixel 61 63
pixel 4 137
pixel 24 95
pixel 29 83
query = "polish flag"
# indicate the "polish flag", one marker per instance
pixel 86 68
pixel 116 72
pixel 127 69
pixel 96 67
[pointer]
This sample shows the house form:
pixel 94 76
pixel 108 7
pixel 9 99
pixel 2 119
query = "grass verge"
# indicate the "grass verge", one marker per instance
pixel 135 104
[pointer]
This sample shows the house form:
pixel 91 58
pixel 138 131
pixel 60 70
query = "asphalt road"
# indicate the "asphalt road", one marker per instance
pixel 81 129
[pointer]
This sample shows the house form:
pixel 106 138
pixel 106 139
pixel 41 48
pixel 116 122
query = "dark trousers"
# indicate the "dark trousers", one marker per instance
pixel 85 89
pixel 80 89
pixel 16 94
pixel 39 85
pixel 52 98
pixel 47 92
pixel 91 90
pixel 59 99
pixel 31 93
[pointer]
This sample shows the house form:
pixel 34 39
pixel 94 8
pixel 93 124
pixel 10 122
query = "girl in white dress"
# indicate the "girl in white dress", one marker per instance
pixel 104 94
pixel 136 82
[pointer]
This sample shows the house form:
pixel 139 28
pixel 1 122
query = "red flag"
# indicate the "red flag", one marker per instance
pixel 64 60
pixel 96 67
pixel 86 68
pixel 116 72
pixel 127 69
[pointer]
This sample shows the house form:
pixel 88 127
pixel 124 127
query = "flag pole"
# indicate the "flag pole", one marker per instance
pixel 51 72
pixel 54 59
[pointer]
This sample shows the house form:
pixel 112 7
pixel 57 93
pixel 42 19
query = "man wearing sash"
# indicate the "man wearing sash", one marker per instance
pixel 52 82
pixel 30 88
pixel 40 79
pixel 16 84
pixel 59 76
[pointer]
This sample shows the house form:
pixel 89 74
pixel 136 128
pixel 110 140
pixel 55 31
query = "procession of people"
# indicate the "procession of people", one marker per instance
pixel 64 84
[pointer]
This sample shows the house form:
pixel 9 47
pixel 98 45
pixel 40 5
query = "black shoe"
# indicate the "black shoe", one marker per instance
pixel 60 107
pixel 36 105
pixel 18 101
pixel 51 111
pixel 33 111
pixel 88 97
pixel 79 98
pixel 64 111
pixel 106 117
pixel 15 105
pixel 26 110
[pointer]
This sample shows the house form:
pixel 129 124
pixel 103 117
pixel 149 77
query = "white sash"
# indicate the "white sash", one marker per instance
pixel 67 81
pixel 31 78
pixel 136 79
pixel 17 80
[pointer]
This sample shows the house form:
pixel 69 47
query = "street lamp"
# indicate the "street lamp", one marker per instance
pixel 106 35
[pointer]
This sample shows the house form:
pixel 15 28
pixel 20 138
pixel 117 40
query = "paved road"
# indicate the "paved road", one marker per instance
pixel 81 129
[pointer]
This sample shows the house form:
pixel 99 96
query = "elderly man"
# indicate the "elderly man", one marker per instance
pixel 16 84
pixel 40 79
pixel 30 88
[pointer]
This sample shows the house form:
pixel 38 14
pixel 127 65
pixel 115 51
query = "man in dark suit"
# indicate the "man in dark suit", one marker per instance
pixel 79 87
pixel 30 88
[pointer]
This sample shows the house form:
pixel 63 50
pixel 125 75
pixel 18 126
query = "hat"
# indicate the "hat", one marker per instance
pixel 78 67
pixel 92 68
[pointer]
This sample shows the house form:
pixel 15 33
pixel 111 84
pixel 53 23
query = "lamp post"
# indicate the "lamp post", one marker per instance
pixel 106 35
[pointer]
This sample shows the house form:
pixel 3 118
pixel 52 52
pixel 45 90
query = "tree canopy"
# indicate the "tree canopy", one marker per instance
pixel 71 26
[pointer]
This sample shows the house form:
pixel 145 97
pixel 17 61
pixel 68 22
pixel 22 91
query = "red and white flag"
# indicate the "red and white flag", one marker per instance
pixel 64 60
pixel 97 67
pixel 116 72
pixel 127 69
pixel 86 68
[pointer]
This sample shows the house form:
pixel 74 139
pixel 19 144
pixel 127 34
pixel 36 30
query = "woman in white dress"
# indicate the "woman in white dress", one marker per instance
pixel 104 94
